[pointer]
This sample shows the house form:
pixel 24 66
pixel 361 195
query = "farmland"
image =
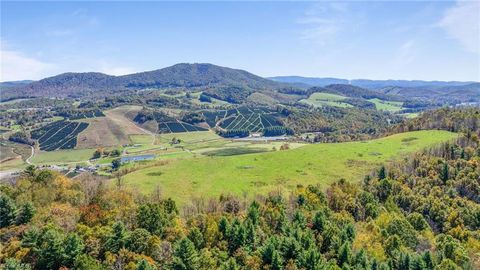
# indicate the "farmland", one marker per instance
pixel 59 157
pixel 326 99
pixel 243 118
pixel 392 106
pixel 58 135
pixel 177 127
pixel 202 176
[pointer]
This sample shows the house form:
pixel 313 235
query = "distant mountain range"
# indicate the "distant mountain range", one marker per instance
pixel 234 86
pixel 371 84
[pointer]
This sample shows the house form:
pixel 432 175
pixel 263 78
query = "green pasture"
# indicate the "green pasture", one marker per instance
pixel 62 156
pixel 207 176
pixel 384 105
pixel 326 99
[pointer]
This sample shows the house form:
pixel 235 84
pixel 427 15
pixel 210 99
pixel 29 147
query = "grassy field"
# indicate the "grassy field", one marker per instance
pixel 200 176
pixel 391 106
pixel 62 156
pixel 12 155
pixel 326 99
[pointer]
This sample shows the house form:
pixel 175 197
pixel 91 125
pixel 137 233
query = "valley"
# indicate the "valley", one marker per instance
pixel 193 141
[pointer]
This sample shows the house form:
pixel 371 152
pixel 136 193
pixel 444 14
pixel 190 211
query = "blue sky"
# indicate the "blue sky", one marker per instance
pixel 375 40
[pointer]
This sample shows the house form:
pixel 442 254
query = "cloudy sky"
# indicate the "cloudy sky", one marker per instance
pixel 376 40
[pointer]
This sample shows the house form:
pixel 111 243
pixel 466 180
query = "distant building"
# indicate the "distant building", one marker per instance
pixel 136 158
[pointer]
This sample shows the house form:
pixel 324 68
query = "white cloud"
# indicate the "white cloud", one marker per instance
pixel 323 22
pixel 16 66
pixel 110 69
pixel 406 53
pixel 462 22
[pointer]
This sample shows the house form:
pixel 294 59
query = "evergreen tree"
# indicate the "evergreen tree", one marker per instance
pixel 73 246
pixel 86 262
pixel 138 240
pixel 310 259
pixel 7 211
pixel 251 235
pixel 231 264
pixel 26 213
pixel 382 173
pixel 144 265
pixel 254 213
pixel 428 260
pixel 152 217
pixel 185 256
pixel 444 174
pixel 319 221
pixel 277 261
pixel 404 262
pixel 117 239
pixel 12 264
pixel 50 252
pixel 197 238
pixel 344 254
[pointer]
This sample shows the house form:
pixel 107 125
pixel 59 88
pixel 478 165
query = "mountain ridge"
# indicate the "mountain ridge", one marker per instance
pixel 183 75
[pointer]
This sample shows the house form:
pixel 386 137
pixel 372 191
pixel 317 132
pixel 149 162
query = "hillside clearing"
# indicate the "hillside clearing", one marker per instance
pixel 62 156
pixel 202 176
pixel 112 130
pixel 326 99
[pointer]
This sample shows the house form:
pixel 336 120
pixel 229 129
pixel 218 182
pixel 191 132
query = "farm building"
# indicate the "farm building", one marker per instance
pixel 136 158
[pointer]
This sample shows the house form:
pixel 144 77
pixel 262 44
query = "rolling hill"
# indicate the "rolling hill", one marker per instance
pixel 365 83
pixel 187 76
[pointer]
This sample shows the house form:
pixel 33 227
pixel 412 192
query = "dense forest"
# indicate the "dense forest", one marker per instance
pixel 421 212
pixel 331 124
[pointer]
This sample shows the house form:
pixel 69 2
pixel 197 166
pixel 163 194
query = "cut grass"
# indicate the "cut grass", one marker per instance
pixel 200 176
pixel 62 156
pixel 189 137
pixel 384 105
pixel 326 99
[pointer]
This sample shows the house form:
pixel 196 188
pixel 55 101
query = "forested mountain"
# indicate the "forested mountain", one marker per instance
pixel 188 76
pixel 5 85
pixel 433 91
pixel 453 93
pixel 365 83
pixel 308 81
pixel 356 92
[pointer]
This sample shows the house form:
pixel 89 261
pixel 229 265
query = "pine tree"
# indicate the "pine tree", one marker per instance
pixel 319 221
pixel 144 265
pixel 86 262
pixel 444 174
pixel 7 211
pixel 117 239
pixel 344 254
pixel 231 264
pixel 185 256
pixel 26 213
pixel 428 259
pixel 254 213
pixel 382 174
pixel 277 261
pixel 197 238
pixel 404 262
pixel 50 250
pixel 73 246
pixel 310 259
pixel 13 264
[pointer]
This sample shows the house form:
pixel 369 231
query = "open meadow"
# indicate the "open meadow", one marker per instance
pixel 209 176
